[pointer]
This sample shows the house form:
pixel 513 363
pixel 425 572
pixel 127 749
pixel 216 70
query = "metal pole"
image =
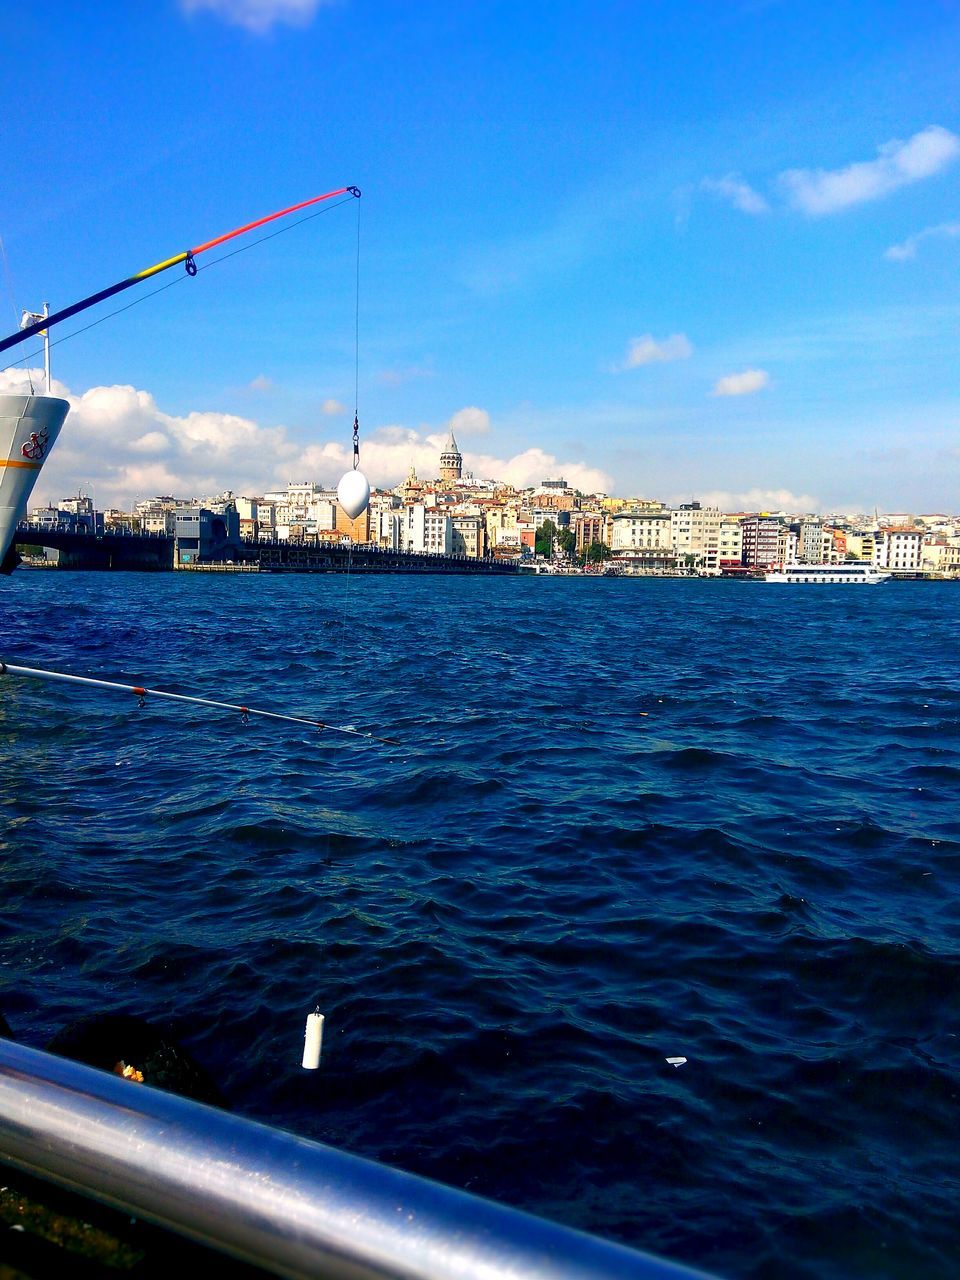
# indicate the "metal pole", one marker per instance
pixel 39 673
pixel 293 1207
pixel 46 347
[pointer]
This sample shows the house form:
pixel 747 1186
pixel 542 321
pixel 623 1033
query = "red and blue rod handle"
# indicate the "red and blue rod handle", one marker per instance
pixel 187 256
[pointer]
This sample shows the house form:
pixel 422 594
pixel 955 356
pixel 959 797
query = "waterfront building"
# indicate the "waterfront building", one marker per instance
pixel 358 530
pixel 502 525
pixel 761 541
pixel 256 518
pixel 839 550
pixel 786 545
pixel 636 530
pixel 589 527
pixel 900 549
pixel 468 536
pixel 695 536
pixel 934 556
pixel 811 547
pixel 265 515
pixel 950 563
pixel 158 521
pixel 426 530
pixel 862 544
pixel 204 535
pixel 646 560
pixel 729 543
pixel 387 529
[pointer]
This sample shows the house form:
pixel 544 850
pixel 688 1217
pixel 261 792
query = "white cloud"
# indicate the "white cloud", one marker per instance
pixel 470 422
pixel 332 407
pixel 908 249
pixel 742 384
pixel 113 438
pixel 759 500
pixel 820 191
pixel 152 442
pixel 647 350
pixel 533 465
pixel 739 193
pixel 257 16
pixel 260 383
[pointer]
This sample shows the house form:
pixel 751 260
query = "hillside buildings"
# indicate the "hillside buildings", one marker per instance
pixel 550 523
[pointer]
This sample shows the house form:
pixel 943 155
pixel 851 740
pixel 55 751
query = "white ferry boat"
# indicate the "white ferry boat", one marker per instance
pixel 849 574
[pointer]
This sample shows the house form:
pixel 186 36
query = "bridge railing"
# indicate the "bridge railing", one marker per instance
pixel 288 1205
pixel 26 527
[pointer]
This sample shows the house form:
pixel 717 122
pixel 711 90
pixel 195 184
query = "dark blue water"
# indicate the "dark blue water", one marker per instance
pixel 629 819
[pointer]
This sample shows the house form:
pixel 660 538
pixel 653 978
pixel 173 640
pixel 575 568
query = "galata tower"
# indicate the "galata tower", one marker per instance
pixel 451 460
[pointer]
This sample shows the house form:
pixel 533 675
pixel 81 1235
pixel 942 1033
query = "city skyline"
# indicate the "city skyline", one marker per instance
pixel 429 481
pixel 671 252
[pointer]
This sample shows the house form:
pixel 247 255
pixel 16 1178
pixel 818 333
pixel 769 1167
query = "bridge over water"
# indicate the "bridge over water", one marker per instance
pixel 111 550
pixel 155 551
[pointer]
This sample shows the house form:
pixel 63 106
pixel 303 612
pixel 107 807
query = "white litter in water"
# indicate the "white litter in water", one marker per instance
pixel 676 1062
pixel 312 1040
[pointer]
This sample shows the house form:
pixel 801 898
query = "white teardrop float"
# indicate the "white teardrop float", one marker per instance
pixel 353 493
pixel 29 426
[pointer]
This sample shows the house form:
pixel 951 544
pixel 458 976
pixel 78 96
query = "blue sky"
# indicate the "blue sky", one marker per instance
pixel 685 249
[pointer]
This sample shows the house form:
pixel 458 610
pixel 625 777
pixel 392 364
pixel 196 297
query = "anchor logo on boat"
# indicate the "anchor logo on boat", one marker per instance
pixel 36 446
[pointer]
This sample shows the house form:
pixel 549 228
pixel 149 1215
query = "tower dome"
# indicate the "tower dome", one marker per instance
pixel 451 460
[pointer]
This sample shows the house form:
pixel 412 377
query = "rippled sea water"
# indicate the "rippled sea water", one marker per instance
pixel 627 820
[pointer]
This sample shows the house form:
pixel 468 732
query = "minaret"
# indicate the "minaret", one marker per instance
pixel 451 460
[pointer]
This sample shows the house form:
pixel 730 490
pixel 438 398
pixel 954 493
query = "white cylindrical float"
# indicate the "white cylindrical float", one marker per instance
pixel 312 1041
pixel 29 426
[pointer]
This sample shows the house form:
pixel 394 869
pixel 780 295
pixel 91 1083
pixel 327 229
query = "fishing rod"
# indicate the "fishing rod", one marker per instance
pixel 44 323
pixel 141 693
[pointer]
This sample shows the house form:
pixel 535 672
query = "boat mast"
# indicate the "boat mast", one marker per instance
pixel 33 320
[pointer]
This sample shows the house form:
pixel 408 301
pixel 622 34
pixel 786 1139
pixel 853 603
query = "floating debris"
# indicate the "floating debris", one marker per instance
pixel 312 1040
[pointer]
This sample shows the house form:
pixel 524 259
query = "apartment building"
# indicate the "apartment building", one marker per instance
pixel 695 536
pixel 730 543
pixel 760 541
pixel 426 530
pixel 900 550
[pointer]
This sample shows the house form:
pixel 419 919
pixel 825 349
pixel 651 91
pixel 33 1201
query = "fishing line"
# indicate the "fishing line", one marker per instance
pixel 178 280
pixel 356 459
pixel 356 334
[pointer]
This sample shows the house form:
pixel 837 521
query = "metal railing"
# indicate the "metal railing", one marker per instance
pixel 288 1205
